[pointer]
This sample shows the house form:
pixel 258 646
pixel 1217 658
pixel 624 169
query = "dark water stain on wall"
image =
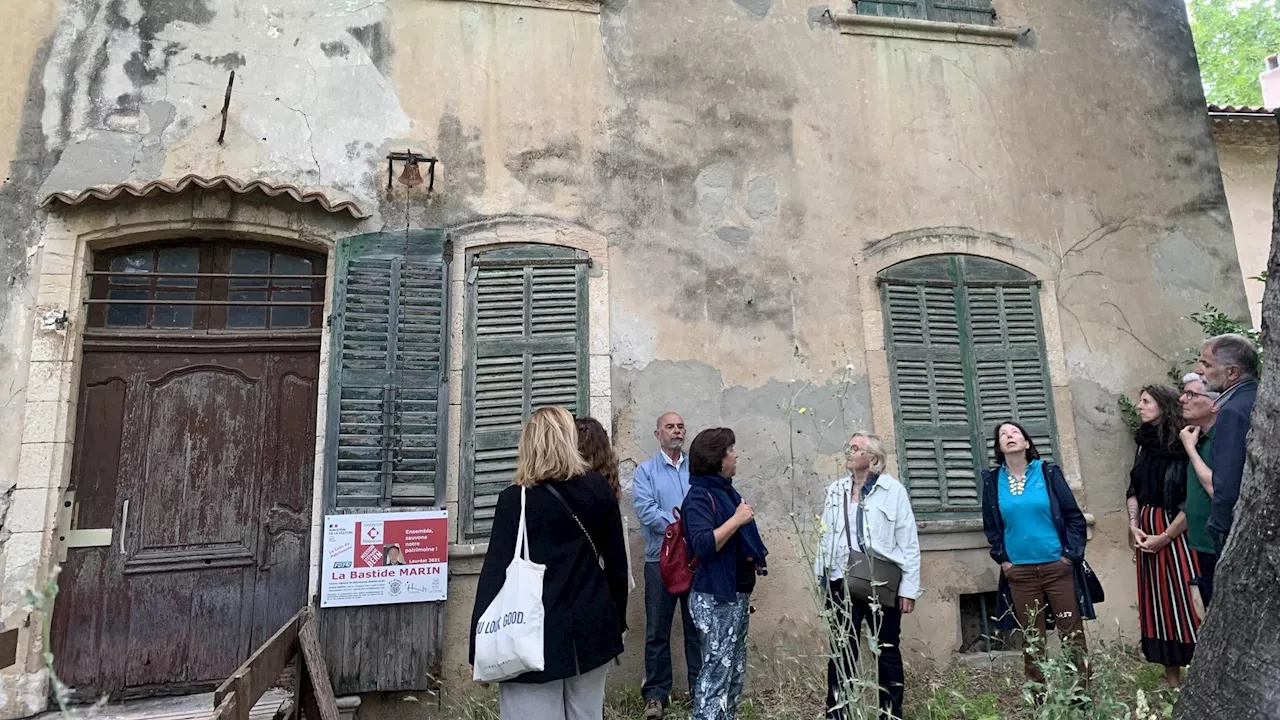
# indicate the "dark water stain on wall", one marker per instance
pixel 542 169
pixel 335 49
pixel 376 41
pixel 230 61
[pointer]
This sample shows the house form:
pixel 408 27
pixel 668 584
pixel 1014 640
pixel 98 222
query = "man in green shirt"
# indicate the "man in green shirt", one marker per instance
pixel 1200 411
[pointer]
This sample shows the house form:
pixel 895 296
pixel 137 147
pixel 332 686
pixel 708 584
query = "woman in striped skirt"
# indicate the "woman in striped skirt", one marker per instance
pixel 1166 565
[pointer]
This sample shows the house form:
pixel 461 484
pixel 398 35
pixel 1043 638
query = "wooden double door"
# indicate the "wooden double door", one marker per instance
pixel 199 457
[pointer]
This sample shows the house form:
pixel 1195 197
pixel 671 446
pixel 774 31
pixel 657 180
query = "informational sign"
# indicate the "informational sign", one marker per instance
pixel 385 558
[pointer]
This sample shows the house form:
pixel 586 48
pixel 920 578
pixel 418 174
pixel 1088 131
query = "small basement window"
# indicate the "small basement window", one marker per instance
pixel 978 631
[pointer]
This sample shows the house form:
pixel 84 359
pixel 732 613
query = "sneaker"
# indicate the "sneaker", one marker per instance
pixel 653 710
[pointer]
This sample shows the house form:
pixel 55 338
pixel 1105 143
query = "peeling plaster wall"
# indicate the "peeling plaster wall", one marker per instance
pixel 748 165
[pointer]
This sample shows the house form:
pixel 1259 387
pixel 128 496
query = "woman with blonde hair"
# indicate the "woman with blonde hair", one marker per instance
pixel 869 561
pixel 575 529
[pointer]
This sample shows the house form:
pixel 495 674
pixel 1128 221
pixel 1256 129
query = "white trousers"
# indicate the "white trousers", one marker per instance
pixel 577 698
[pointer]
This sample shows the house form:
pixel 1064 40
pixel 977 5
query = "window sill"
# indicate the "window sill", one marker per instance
pixel 587 6
pixel 964 534
pixel 914 29
pixel 458 551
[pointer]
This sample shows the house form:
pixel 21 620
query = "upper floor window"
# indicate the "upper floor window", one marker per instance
pixel 966 352
pixel 202 285
pixel 971 12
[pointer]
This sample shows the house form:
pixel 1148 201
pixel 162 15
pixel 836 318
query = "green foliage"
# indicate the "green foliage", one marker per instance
pixel 1233 39
pixel 1129 412
pixel 1212 322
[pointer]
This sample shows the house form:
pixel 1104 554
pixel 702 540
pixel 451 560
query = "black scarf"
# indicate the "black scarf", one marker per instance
pixel 1159 474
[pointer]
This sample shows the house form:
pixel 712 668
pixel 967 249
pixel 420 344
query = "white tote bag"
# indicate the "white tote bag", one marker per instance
pixel 509 634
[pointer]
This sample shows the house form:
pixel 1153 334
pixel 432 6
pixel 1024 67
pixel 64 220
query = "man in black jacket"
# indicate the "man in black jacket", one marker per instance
pixel 1229 364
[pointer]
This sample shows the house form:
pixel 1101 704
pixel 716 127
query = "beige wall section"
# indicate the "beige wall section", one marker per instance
pixel 1249 176
pixel 508 95
pixel 29 24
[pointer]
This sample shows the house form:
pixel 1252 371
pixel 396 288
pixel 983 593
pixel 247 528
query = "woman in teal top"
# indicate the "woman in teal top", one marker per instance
pixel 1037 535
pixel 1030 537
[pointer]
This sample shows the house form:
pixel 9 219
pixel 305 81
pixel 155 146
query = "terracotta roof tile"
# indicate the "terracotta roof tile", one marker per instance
pixel 217 182
pixel 1240 110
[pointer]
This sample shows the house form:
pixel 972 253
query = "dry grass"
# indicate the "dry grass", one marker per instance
pixel 933 693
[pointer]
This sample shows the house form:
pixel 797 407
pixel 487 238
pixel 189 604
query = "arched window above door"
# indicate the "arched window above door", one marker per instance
pixel 201 285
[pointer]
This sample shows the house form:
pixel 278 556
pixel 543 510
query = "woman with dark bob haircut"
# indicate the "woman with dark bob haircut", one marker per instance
pixel 1037 535
pixel 595 448
pixel 720 530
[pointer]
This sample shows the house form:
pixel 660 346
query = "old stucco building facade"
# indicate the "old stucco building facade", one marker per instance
pixel 723 190
pixel 1248 143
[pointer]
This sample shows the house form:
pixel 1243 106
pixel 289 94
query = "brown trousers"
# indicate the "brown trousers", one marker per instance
pixel 1030 585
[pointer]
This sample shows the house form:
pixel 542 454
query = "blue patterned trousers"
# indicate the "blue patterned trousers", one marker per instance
pixel 722 628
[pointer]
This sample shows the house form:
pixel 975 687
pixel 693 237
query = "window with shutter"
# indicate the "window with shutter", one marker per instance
pixel 386 399
pixel 972 12
pixel 966 352
pixel 526 335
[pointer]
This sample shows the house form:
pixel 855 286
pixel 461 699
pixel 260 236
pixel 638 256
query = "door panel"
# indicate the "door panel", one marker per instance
pixel 210 456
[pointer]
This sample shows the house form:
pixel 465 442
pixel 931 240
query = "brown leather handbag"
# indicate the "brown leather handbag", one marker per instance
pixel 865 575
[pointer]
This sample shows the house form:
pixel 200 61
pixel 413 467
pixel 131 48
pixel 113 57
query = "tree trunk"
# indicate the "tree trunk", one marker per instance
pixel 1236 673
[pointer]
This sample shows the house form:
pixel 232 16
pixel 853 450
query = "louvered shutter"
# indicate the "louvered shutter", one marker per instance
pixel 934 421
pixel 966 352
pixel 527 348
pixel 386 393
pixel 892 8
pixel 1009 364
pixel 971 12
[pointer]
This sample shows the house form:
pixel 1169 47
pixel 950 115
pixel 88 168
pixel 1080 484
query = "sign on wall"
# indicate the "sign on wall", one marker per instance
pixel 385 558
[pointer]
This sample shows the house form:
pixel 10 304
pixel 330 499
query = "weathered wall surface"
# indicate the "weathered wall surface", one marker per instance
pixel 749 166
pixel 1249 176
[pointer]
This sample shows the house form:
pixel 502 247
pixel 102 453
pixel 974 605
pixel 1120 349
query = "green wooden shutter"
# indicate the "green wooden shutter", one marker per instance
pixel 966 352
pixel 971 12
pixel 892 8
pixel 387 391
pixel 527 345
pixel 1009 364
pixel 934 419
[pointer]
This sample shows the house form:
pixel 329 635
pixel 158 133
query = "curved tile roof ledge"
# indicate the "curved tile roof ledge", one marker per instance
pixel 216 182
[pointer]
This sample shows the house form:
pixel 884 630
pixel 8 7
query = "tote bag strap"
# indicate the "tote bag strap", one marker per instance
pixel 522 534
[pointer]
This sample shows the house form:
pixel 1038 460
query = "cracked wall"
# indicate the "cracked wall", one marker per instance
pixel 747 164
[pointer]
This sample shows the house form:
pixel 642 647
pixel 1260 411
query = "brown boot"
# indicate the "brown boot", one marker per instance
pixel 653 710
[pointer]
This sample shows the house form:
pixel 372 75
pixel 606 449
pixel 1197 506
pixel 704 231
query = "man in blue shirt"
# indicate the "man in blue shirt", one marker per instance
pixel 661 482
pixel 1229 364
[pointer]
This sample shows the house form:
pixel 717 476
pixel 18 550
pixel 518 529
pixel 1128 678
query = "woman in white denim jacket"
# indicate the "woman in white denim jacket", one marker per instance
pixel 889 531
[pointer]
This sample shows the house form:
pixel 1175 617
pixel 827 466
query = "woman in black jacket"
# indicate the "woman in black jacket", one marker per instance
pixel 1037 535
pixel 575 529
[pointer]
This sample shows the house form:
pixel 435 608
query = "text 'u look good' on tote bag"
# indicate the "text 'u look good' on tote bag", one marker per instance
pixel 509 634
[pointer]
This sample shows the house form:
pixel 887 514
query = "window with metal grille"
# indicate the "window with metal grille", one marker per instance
pixel 972 12
pixel 200 285
pixel 966 352
pixel 387 399
pixel 526 337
